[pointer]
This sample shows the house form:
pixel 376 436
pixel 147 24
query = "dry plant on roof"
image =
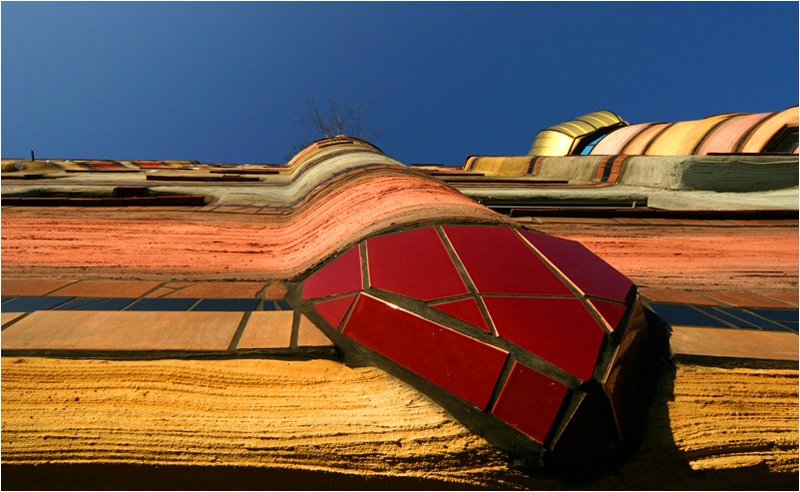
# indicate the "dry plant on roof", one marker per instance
pixel 338 119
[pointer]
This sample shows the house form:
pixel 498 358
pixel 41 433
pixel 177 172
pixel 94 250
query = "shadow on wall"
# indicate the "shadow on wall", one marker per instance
pixel 659 464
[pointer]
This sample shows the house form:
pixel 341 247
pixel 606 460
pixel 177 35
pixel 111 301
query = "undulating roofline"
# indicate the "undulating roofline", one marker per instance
pixel 605 133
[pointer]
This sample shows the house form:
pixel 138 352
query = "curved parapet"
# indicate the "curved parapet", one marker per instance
pixel 765 133
pixel 346 190
pixel 343 194
pixel 318 146
pixel 683 137
pixel 520 335
pixel 733 133
pixel 572 136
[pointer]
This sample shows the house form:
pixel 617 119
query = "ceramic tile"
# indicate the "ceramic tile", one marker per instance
pixel 466 310
pixel 744 299
pixel 6 317
pixel 279 305
pixel 589 272
pixel 309 335
pixel 529 402
pixel 749 320
pixel 226 290
pixel 611 312
pixel 227 305
pixel 97 304
pixel 679 314
pixel 275 290
pixel 779 315
pixel 31 286
pixel 179 285
pixel 788 296
pixel 267 329
pixel 457 363
pixel 340 276
pixel 413 263
pixel 732 343
pixel 561 331
pixel 121 330
pixel 674 296
pixel 162 304
pixel 729 318
pixel 334 310
pixel 499 262
pixel 28 304
pixel 160 292
pixel 106 288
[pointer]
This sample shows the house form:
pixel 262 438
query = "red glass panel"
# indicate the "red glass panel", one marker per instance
pixel 465 310
pixel 529 402
pixel 461 365
pixel 413 263
pixel 337 277
pixel 561 331
pixel 589 272
pixel 333 310
pixel 610 311
pixel 499 262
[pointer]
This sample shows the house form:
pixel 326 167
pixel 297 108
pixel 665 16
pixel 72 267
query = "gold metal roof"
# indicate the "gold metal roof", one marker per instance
pixel 564 138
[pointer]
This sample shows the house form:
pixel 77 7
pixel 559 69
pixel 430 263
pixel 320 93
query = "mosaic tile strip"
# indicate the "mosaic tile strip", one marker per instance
pixel 96 304
pixel 726 317
pixel 163 304
pixel 43 303
pixel 267 330
pixel 106 288
pixel 226 305
pixel 122 331
pixel 308 335
pixel 28 304
pixel 736 344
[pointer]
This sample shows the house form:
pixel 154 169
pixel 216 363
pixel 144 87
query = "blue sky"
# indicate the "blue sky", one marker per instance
pixel 222 82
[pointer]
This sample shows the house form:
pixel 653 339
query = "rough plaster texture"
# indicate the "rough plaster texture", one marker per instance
pixel 729 423
pixel 209 245
pixel 711 173
pixel 693 257
pixel 573 168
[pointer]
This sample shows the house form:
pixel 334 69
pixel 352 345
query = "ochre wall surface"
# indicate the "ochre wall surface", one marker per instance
pixel 709 426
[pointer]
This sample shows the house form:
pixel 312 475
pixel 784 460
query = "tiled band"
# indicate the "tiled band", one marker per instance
pixel 146 332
